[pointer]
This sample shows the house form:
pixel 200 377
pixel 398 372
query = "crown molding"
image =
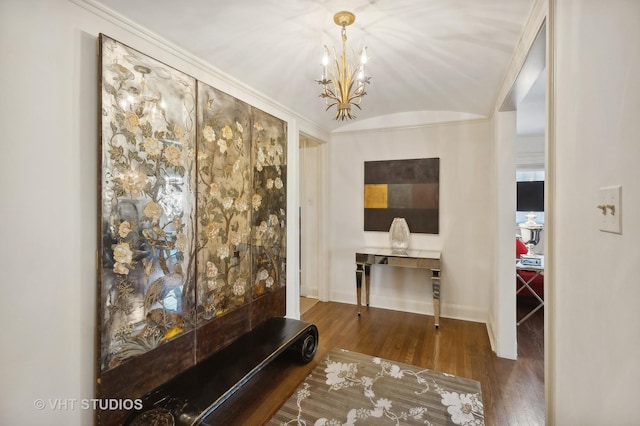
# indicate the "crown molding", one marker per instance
pixel 383 129
pixel 287 114
pixel 530 33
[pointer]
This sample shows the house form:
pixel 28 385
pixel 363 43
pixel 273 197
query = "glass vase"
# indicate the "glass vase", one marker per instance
pixel 399 235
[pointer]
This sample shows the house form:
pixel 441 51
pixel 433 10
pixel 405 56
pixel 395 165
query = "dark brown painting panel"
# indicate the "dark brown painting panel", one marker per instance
pixel 425 195
pixel 424 170
pixel 419 220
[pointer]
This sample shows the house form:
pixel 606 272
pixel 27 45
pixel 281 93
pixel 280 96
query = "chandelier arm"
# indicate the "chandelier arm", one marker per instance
pixel 329 94
pixel 357 97
pixel 328 91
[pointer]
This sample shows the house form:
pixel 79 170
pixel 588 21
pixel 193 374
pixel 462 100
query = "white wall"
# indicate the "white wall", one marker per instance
pixel 465 156
pixel 48 198
pixel 596 328
pixel 502 313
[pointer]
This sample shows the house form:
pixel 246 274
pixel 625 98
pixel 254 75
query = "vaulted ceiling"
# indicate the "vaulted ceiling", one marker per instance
pixel 425 55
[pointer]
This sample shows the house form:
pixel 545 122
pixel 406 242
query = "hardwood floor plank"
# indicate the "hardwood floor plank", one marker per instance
pixel 513 391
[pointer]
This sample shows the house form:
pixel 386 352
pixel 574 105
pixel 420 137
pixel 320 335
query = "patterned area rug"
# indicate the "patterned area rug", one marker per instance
pixel 349 388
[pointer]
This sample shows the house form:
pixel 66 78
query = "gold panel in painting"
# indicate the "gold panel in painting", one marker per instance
pixel 375 196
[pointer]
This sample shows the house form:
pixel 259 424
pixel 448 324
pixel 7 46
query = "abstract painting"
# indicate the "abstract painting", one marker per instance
pixel 402 188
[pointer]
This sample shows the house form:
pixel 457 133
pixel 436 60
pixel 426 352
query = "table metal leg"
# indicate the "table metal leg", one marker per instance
pixel 359 273
pixel 435 284
pixel 362 269
pixel 526 284
pixel 367 282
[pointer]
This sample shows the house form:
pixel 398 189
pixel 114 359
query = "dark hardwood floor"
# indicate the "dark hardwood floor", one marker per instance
pixel 513 391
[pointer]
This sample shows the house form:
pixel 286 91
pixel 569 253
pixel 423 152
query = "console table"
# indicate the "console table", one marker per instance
pixel 423 259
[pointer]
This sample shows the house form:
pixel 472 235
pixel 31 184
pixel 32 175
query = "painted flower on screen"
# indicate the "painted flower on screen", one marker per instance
pixel 124 229
pixel 123 257
pixel 208 133
pixel 223 252
pixel 239 287
pixel 134 181
pixel 152 146
pixel 227 133
pixel 181 242
pixel 222 144
pixel 256 201
pixel 122 253
pixel 212 270
pixel 131 121
pixel 173 155
pixel 153 210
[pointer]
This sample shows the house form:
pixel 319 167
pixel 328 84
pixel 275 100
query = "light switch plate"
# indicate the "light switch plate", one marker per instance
pixel 610 209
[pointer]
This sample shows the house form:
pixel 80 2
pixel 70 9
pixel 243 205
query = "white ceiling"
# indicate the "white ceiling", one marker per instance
pixel 425 55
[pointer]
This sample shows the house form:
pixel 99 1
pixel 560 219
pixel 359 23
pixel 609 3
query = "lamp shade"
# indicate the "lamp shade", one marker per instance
pixel 530 196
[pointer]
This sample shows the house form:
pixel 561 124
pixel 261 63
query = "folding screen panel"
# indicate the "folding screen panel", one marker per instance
pixel 148 203
pixel 224 203
pixel 269 202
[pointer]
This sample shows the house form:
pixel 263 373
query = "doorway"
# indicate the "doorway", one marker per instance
pixel 521 142
pixel 530 222
pixel 310 212
pixel 529 217
pixel 534 55
pixel 529 151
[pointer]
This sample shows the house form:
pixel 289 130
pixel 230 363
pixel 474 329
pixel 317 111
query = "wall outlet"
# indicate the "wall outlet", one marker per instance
pixel 610 211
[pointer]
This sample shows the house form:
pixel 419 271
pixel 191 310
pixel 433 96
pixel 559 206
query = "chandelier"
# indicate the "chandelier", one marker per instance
pixel 343 84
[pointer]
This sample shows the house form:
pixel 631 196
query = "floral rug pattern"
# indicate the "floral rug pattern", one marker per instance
pixel 349 388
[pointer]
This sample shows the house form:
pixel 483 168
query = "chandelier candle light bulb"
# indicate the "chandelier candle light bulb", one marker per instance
pixel 363 61
pixel 325 62
pixel 345 85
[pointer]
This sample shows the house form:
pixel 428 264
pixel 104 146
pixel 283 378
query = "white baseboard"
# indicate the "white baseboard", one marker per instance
pixel 492 334
pixel 465 313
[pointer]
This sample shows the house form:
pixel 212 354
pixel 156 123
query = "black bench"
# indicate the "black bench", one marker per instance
pixel 194 394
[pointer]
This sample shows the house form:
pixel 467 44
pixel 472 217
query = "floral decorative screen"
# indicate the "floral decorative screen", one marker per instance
pixel 148 203
pixel 193 211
